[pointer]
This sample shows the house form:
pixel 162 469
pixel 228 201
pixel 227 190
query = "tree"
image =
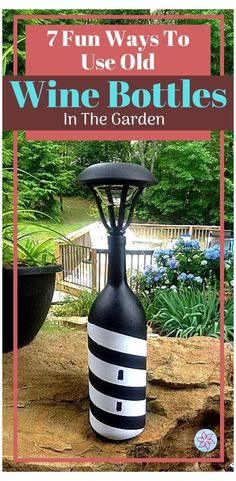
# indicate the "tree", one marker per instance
pixel 215 34
pixel 229 180
pixel 51 164
pixel 8 29
pixel 187 172
pixel 92 152
pixel 187 189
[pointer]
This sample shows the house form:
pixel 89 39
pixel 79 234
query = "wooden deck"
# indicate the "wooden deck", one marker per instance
pixel 85 257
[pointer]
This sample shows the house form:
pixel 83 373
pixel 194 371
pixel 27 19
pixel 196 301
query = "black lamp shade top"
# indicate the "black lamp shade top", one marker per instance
pixel 121 173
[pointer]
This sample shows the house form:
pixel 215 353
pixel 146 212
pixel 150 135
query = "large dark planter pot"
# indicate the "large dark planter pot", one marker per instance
pixel 35 292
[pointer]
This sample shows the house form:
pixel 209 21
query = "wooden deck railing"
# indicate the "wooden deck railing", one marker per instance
pixel 85 268
pixel 168 232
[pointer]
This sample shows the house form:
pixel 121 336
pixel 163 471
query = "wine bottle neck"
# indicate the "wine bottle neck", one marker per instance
pixel 116 260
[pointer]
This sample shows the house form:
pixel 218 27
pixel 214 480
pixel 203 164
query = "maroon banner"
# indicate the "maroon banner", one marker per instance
pixel 118 103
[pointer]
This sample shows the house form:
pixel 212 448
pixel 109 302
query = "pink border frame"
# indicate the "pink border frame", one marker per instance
pixel 17 459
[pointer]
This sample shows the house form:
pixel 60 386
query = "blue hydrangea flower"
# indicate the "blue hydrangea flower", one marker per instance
pixel 163 252
pixel 198 279
pixel 190 277
pixel 195 244
pixel 168 252
pixel 180 242
pixel 212 253
pixel 153 274
pixel 172 263
pixel 191 244
pixel 159 274
pixel 147 269
pixel 182 277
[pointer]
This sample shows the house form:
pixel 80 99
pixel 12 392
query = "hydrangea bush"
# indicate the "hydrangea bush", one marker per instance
pixel 184 265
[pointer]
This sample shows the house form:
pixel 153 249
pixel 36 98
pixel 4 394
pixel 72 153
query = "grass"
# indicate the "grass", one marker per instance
pixel 76 214
pixel 51 327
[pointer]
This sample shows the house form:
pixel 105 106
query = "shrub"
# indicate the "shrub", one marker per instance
pixel 184 265
pixel 189 312
pixel 75 307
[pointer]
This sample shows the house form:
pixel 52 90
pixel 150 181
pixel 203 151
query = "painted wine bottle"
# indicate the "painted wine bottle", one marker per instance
pixel 117 353
pixel 117 335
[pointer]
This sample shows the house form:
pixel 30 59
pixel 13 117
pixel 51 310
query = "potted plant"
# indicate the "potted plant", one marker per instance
pixel 36 271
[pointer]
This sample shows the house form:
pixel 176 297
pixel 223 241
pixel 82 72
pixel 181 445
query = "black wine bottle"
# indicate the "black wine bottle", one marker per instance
pixel 117 341
pixel 117 335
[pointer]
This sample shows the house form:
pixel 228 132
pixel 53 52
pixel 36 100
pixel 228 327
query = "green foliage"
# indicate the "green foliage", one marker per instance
pixel 215 34
pixel 50 169
pixel 187 172
pixel 7 155
pixel 50 164
pixel 215 37
pixel 75 215
pixel 190 312
pixel 92 152
pixel 229 180
pixel 46 170
pixel 30 252
pixel 184 264
pixel 8 29
pixel 79 307
pixel 188 184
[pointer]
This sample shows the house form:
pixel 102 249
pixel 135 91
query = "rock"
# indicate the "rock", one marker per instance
pixel 183 397
pixel 79 323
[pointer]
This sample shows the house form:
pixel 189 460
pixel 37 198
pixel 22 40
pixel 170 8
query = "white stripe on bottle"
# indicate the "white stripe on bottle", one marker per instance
pixel 110 432
pixel 109 372
pixel 117 342
pixel 109 404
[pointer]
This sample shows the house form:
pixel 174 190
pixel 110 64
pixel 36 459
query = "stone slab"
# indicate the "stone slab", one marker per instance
pixel 183 397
